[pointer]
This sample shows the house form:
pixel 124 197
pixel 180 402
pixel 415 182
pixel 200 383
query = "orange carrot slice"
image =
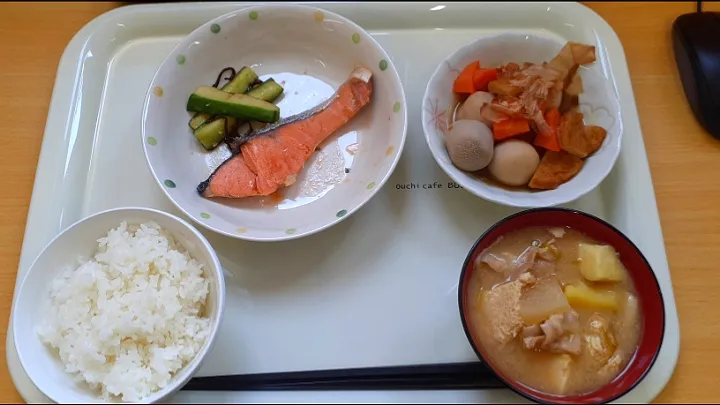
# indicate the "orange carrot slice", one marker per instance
pixel 464 83
pixel 510 127
pixel 550 141
pixel 482 77
pixel 552 117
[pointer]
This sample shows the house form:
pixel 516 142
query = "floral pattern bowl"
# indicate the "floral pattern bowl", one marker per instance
pixel 598 103
pixel 310 52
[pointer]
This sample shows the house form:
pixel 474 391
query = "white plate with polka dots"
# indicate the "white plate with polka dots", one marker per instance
pixel 310 52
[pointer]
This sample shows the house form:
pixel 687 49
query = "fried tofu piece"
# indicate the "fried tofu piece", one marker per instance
pixel 574 86
pixel 502 87
pixel 581 53
pixel 574 137
pixel 594 138
pixel 501 306
pixel 564 60
pixel 569 132
pixel 568 103
pixel 555 169
pixel 569 57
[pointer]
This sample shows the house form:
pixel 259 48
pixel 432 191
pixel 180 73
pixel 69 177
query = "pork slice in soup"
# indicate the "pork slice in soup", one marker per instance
pixel 555 310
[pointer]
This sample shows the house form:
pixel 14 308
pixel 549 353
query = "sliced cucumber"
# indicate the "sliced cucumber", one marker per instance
pixel 211 133
pixel 239 84
pixel 269 90
pixel 209 100
pixel 198 119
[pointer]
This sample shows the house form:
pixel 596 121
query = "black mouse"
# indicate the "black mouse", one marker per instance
pixel 696 42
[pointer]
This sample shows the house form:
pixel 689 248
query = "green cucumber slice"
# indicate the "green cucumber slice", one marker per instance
pixel 209 100
pixel 239 84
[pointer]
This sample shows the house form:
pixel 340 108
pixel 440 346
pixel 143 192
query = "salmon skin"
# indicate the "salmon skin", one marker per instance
pixel 271 158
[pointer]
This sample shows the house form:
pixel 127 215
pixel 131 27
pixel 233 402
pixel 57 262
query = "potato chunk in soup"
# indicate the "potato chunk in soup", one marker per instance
pixel 555 310
pixel 600 263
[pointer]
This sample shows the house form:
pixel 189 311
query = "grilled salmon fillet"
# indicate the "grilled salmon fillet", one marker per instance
pixel 271 158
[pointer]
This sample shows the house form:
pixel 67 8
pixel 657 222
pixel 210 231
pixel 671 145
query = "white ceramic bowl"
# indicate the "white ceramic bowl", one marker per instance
pixel 42 365
pixel 312 51
pixel 597 102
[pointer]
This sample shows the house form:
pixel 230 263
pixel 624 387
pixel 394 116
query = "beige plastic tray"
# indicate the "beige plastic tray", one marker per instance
pixel 381 287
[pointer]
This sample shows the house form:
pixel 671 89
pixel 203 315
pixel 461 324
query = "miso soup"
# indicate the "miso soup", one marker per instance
pixel 555 310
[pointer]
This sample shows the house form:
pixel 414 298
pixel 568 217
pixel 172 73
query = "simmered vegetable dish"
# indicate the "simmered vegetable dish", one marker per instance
pixel 519 125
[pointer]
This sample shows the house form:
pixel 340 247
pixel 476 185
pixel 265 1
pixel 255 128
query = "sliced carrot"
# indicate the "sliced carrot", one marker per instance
pixel 510 127
pixel 552 117
pixel 550 141
pixel 464 82
pixel 482 77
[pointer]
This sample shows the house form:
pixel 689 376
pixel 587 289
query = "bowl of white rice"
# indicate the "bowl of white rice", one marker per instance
pixel 122 306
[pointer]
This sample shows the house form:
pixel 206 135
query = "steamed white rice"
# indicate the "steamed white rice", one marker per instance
pixel 129 318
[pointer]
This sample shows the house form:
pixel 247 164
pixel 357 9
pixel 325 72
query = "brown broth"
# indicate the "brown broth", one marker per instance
pixel 531 368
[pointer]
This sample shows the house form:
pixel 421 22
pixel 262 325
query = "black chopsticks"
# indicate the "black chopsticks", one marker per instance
pixel 447 376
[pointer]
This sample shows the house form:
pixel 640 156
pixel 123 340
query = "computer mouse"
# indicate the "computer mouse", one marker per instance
pixel 696 43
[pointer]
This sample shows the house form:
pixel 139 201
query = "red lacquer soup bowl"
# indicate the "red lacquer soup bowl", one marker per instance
pixel 646 285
